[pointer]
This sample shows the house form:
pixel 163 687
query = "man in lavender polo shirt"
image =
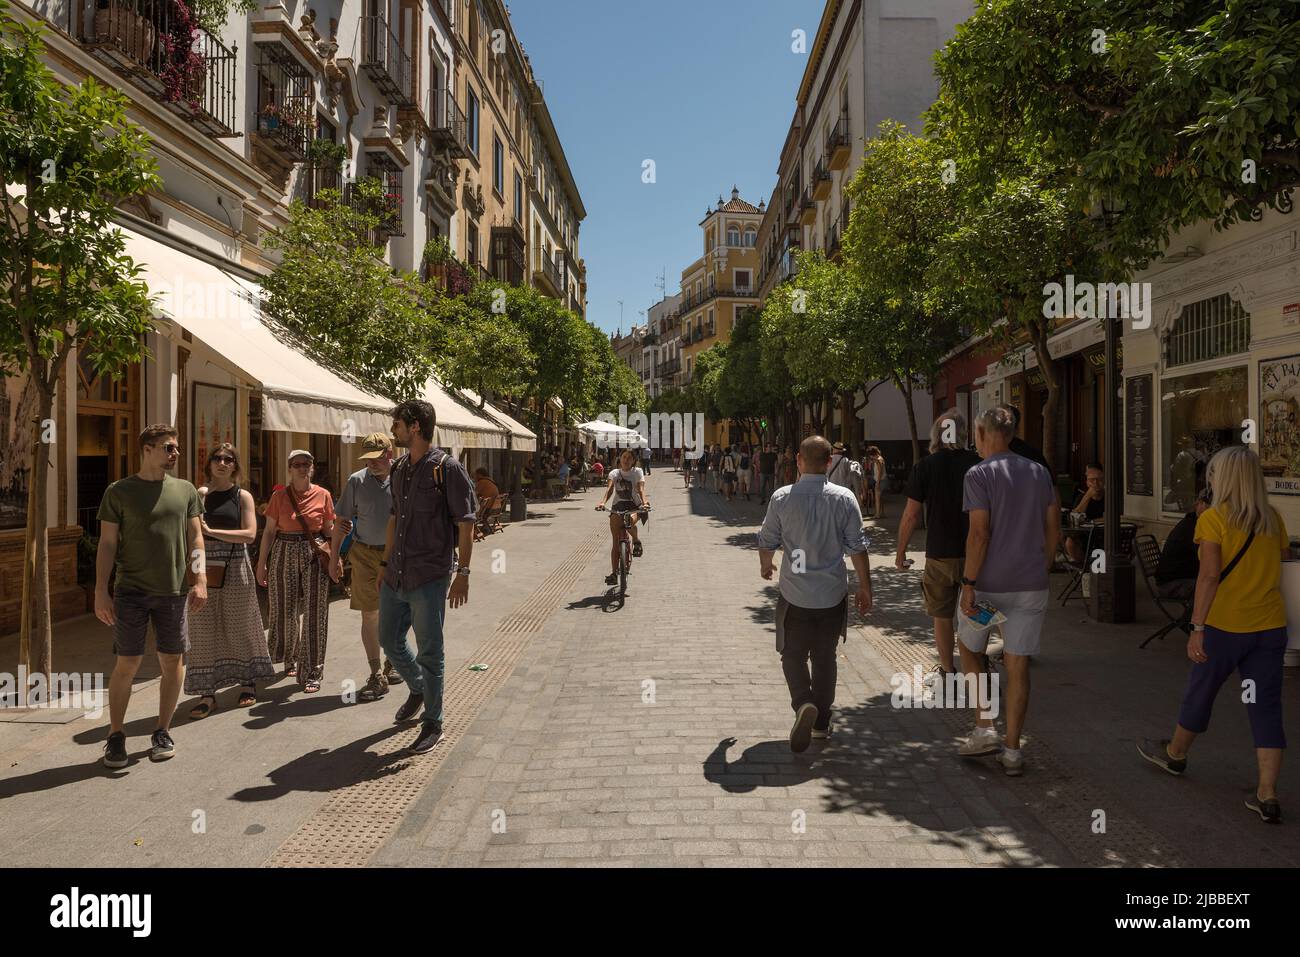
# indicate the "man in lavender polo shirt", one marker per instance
pixel 433 513
pixel 1014 526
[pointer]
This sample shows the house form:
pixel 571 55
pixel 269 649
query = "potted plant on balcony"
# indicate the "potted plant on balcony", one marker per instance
pixel 326 154
pixel 130 29
pixel 183 68
pixel 270 118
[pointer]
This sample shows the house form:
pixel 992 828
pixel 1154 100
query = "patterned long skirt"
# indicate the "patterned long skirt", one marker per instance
pixel 299 606
pixel 227 643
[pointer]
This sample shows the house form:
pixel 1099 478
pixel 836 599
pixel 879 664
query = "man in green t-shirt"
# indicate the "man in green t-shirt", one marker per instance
pixel 150 531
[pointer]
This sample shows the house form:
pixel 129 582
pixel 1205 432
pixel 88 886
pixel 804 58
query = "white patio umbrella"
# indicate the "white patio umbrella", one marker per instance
pixel 611 435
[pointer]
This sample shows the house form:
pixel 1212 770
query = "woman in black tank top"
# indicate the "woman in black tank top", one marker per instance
pixel 227 640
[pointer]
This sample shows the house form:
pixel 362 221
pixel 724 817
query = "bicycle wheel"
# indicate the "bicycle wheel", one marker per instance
pixel 624 561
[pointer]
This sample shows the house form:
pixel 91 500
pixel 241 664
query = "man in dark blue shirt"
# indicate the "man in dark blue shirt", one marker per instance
pixel 433 514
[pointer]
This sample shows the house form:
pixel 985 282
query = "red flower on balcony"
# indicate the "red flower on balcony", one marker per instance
pixel 184 68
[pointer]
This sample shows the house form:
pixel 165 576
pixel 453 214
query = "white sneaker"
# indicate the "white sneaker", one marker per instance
pixel 1013 766
pixel 982 741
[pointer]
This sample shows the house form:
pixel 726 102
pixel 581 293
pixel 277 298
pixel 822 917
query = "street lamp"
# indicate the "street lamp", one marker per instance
pixel 1114 595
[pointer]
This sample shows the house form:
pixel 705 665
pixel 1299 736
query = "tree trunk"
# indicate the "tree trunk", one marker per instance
pixel 35 642
pixel 1052 376
pixel 905 387
pixel 846 418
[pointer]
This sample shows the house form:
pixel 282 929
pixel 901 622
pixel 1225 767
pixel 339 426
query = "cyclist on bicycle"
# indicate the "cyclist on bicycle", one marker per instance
pixel 627 485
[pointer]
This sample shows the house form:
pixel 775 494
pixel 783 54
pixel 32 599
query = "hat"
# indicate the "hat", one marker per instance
pixel 838 446
pixel 297 452
pixel 375 444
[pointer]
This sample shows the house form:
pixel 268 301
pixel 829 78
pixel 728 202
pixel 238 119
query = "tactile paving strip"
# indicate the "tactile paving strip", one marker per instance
pixel 1056 794
pixel 357 819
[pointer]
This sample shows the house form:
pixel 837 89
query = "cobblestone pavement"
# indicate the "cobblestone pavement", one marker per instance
pixel 655 734
pixel 651 733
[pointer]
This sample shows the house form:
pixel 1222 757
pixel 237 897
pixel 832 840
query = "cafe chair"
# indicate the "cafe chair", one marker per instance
pixel 1148 557
pixel 1075 569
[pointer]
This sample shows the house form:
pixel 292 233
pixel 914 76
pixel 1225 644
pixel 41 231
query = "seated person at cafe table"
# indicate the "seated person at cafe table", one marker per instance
pixel 484 487
pixel 1092 506
pixel 1180 561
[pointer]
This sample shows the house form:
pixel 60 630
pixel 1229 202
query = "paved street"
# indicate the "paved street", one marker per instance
pixel 648 734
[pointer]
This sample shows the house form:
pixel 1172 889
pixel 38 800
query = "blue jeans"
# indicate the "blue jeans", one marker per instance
pixel 424 609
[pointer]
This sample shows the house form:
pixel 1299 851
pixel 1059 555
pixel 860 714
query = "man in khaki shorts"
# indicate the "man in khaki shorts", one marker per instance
pixel 936 484
pixel 363 508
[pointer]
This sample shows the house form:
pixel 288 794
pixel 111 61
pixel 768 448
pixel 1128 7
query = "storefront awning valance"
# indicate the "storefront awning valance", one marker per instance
pixel 522 438
pixel 459 425
pixel 223 312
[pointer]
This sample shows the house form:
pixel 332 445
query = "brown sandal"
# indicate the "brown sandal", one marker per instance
pixel 203 709
pixel 312 686
pixel 247 696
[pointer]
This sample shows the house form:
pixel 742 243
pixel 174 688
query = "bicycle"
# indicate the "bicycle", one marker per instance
pixel 625 544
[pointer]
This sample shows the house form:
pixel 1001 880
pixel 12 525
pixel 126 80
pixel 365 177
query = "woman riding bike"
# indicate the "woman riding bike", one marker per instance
pixel 627 485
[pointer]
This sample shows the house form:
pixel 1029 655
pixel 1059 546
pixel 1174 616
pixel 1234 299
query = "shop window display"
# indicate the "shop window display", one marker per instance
pixel 1200 413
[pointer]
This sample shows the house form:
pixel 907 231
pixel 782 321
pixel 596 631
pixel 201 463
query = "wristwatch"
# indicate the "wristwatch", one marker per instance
pixel 462 570
pixel 968 581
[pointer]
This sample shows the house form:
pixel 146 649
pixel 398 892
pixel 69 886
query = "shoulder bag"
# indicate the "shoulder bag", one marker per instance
pixel 318 543
pixel 215 571
pixel 1236 558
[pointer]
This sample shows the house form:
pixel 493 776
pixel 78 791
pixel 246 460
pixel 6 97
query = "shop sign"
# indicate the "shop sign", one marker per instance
pixel 1279 427
pixel 1291 314
pixel 1137 435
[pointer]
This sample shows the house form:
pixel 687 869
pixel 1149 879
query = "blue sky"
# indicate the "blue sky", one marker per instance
pixel 705 88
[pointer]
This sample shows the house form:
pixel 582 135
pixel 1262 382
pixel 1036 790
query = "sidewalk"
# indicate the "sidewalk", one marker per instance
pixel 655 734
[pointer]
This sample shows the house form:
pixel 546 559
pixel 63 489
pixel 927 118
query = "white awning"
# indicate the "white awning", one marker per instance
pixel 458 424
pixel 608 434
pixel 224 312
pixel 523 440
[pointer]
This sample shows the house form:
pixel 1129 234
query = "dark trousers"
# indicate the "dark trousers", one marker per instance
pixel 811 636
pixel 1255 656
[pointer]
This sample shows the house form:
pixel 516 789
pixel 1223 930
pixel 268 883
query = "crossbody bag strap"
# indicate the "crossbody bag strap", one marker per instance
pixel 302 519
pixel 1236 558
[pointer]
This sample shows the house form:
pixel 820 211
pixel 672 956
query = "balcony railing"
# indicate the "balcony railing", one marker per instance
pixel 821 183
pixel 181 65
pixel 545 264
pixel 839 144
pixel 286 117
pixel 449 124
pixel 385 62
pixel 316 179
pixel 807 207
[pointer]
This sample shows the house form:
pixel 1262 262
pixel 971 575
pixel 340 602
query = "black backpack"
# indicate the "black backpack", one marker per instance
pixel 744 463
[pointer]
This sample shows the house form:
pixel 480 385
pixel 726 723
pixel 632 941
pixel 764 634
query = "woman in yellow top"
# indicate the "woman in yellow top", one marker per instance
pixel 1238 621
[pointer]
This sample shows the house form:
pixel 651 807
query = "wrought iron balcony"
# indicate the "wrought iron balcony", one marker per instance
pixel 157 46
pixel 315 180
pixel 821 183
pixel 286 117
pixel 449 124
pixel 544 266
pixel 385 62
pixel 839 144
pixel 807 207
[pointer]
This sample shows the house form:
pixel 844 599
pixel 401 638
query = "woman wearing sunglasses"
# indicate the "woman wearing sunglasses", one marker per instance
pixel 295 547
pixel 227 643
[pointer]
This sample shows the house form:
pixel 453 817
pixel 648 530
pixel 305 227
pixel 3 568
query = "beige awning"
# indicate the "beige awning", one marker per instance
pixel 522 438
pixel 458 424
pixel 224 312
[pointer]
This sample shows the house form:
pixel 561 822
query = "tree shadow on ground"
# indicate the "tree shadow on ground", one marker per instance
pixel 881 762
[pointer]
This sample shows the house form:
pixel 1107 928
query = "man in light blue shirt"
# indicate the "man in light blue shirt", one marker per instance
pixel 815 523
pixel 363 509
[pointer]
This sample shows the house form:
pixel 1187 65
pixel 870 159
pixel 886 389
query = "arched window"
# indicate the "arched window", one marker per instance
pixel 751 237
pixel 733 235
pixel 1207 329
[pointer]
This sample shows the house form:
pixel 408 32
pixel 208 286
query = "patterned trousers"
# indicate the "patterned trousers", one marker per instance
pixel 299 593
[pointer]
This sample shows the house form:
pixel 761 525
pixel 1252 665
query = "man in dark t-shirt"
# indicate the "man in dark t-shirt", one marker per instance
pixel 766 473
pixel 936 484
pixel 1180 560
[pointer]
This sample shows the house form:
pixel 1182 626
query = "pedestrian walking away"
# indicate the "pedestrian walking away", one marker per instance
pixel 815 524
pixel 293 564
pixel 1014 528
pixel 428 545
pixel 627 485
pixel 936 484
pixel 844 471
pixel 728 466
pixel 766 473
pixel 362 524
pixel 227 639
pixel 1238 622
pixel 645 458
pixel 150 533
pixel 745 470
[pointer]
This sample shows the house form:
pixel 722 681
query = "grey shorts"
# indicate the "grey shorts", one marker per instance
pixel 1022 632
pixel 134 611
